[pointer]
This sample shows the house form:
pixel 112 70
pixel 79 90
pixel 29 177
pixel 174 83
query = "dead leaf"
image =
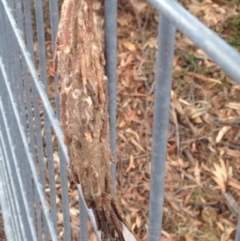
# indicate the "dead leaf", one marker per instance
pixel 138 222
pixel 131 164
pixel 123 21
pixel 151 43
pixel 188 237
pixel 220 174
pixel 197 174
pixel 128 45
pixel 139 6
pixel 234 106
pixel 233 183
pixel 227 232
pixel 222 132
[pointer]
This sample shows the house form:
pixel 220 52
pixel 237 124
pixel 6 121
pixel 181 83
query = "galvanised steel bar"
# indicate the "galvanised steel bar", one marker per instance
pixel 10 231
pixel 7 46
pixel 17 86
pixel 54 19
pixel 53 5
pixel 83 220
pixel 16 192
pixel 37 123
pixel 216 48
pixel 41 91
pixel 29 37
pixel 3 51
pixel 29 157
pixel 90 213
pixel 111 66
pixel 163 79
pixel 10 196
pixel 64 191
pixel 12 193
pixel 237 238
pixel 4 205
pixel 47 125
pixel 4 46
pixel 31 96
pixel 15 70
pixel 11 54
pixel 27 114
pixel 39 85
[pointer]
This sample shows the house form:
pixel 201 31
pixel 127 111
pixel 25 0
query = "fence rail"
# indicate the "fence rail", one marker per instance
pixel 29 120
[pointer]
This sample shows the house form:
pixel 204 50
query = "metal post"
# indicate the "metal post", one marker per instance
pixel 111 66
pixel 166 37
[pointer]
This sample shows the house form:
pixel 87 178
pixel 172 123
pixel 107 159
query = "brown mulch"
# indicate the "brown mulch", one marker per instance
pixel 202 171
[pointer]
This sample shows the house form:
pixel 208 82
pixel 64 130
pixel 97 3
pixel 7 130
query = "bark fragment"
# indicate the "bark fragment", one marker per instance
pixel 79 60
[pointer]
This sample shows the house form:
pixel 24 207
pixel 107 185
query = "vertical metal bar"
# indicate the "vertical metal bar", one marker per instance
pixel 10 54
pixel 83 221
pixel 111 65
pixel 39 86
pixel 6 211
pixel 237 238
pixel 17 81
pixel 166 38
pixel 38 136
pixel 90 213
pixel 8 46
pixel 27 115
pixel 48 131
pixel 13 169
pixel 53 7
pixel 10 195
pixel 29 34
pixel 23 139
pixel 55 123
pixel 11 190
pixel 16 71
pixel 5 43
pixel 54 19
pixel 65 200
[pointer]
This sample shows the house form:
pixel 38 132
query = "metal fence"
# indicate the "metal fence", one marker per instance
pixel 33 159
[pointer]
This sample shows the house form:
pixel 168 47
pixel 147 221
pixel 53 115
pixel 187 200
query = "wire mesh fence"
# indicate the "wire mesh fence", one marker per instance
pixel 35 198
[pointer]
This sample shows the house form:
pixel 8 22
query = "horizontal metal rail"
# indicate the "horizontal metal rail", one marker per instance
pixel 215 47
